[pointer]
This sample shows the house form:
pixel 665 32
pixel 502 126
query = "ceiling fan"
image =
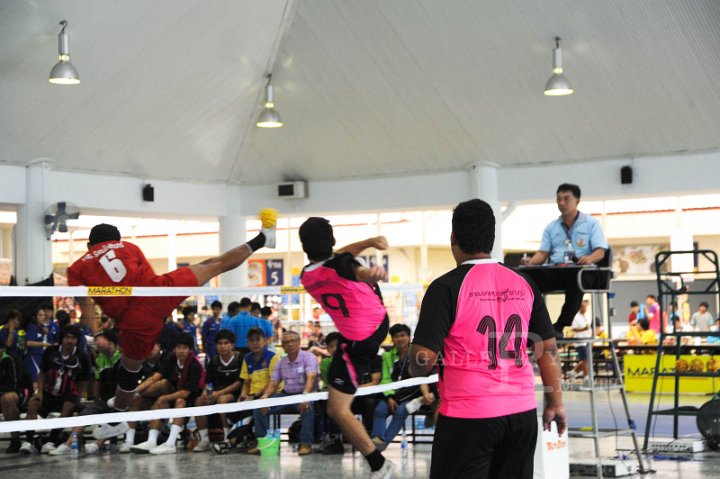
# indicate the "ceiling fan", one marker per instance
pixel 56 217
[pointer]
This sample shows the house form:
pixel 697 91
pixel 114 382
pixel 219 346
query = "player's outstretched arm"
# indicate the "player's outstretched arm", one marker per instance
pixel 378 242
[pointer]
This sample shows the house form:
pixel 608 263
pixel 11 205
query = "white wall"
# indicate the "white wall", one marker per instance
pixel 657 176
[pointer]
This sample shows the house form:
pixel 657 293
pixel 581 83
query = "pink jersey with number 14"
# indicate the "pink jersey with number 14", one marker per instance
pixel 486 371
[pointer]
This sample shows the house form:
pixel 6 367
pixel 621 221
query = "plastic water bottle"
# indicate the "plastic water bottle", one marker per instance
pixel 404 445
pixel 209 389
pixel 21 340
pixel 74 446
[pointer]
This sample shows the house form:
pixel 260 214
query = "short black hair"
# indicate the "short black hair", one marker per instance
pixel 63 318
pixel 644 323
pixel 707 306
pixel 245 303
pixel 396 329
pixel 233 308
pixel 186 339
pixel 316 236
pixel 634 304
pixel 216 304
pixel 255 332
pixel 72 330
pixel 333 336
pixel 255 305
pixel 473 225
pixel 266 311
pixel 12 314
pixel 651 296
pixel 102 233
pixel 225 334
pixel 574 189
pixel 188 310
pixel 110 335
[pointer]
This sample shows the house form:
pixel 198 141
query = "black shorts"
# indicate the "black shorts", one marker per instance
pixel 353 359
pixel 499 447
pixel 96 407
pixel 55 404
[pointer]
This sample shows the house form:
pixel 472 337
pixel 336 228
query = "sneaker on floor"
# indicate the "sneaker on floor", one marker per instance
pixel 124 448
pixel 143 447
pixel 107 431
pixel 61 450
pixel 93 448
pixel 268 217
pixel 14 446
pixel 304 450
pixel 202 446
pixel 164 448
pixel 225 447
pixel 385 472
pixel 254 451
pixel 28 448
pixel 334 447
pixel 47 448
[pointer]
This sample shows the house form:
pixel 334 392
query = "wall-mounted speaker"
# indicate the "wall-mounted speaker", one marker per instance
pixel 148 193
pixel 626 175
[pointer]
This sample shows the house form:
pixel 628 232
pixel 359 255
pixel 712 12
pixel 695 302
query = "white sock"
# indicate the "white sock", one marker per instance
pixel 204 435
pixel 226 430
pixel 174 432
pixel 130 437
pixel 153 435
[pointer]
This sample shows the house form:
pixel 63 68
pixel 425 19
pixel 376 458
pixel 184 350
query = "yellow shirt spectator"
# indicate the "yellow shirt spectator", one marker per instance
pixel 257 372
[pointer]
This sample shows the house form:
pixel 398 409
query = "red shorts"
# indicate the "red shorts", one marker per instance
pixel 143 320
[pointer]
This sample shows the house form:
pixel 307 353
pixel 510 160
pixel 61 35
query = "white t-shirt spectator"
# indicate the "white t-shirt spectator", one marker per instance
pixel 702 321
pixel 580 322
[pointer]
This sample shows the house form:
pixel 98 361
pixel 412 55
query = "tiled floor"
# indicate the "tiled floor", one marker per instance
pixel 289 466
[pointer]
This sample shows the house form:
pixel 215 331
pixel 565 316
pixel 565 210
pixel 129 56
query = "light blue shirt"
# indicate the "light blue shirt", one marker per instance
pixel 586 236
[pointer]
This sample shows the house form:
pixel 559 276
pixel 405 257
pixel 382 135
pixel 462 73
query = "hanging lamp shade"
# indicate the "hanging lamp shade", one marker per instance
pixel 64 73
pixel 558 84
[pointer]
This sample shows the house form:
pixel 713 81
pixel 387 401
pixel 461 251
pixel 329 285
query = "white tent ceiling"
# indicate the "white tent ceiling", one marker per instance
pixel 366 88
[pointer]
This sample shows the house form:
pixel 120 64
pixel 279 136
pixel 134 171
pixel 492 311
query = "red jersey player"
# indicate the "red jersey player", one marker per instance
pixel 112 262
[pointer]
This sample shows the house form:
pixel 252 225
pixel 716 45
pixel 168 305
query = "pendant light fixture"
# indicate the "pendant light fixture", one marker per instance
pixel 269 118
pixel 64 73
pixel 558 84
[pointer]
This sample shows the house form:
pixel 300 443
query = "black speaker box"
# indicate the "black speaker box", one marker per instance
pixel 626 175
pixel 148 193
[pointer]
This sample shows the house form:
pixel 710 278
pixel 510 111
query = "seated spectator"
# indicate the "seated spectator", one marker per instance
pixel 179 382
pixel 297 372
pixel 316 343
pixel 702 320
pixel 634 310
pixel 397 403
pixel 187 324
pixel 223 382
pixel 15 391
pixel 210 328
pixel 9 333
pixel 257 368
pixel 642 334
pixel 105 381
pixel 64 373
pixel 581 329
pixel 364 405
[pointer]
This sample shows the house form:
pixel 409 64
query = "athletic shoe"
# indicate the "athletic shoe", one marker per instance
pixel 143 447
pixel 92 448
pixel 27 448
pixel 304 450
pixel 385 472
pixel 124 448
pixel 107 431
pixel 164 448
pixel 268 217
pixel 47 448
pixel 13 447
pixel 254 451
pixel 412 406
pixel 111 403
pixel 202 446
pixel 225 447
pixel 61 450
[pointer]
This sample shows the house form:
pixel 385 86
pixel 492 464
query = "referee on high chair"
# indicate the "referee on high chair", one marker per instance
pixel 482 317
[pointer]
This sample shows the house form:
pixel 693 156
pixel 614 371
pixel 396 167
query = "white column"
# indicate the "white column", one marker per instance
pixel 484 185
pixel 233 233
pixel 33 252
